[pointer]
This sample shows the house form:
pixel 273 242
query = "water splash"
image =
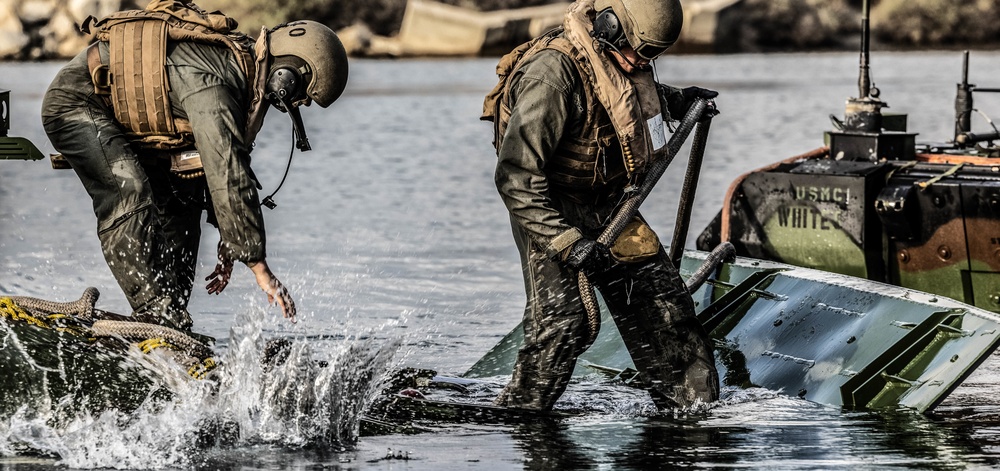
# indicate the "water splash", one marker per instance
pixel 315 397
pixel 309 400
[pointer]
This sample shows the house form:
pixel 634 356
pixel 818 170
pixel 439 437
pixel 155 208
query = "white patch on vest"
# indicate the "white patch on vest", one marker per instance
pixel 656 134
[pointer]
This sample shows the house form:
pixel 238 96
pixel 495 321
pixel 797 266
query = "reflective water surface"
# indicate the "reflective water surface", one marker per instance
pixel 392 238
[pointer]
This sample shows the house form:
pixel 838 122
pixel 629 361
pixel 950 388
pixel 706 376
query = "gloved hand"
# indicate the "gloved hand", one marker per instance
pixel 589 256
pixel 690 94
pixel 677 101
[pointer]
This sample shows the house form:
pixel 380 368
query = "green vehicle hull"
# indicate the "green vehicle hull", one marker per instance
pixel 931 223
pixel 874 203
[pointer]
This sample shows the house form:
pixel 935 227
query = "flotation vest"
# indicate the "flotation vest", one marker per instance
pixel 583 160
pixel 631 102
pixel 136 78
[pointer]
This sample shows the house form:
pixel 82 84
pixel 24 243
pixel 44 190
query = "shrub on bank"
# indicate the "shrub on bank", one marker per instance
pixel 382 17
pixel 795 24
pixel 767 24
pixel 45 29
pixel 937 23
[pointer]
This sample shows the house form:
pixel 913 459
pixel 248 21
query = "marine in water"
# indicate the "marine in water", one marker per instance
pixel 579 120
pixel 158 119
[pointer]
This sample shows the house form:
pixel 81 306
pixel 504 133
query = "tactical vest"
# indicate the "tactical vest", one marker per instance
pixel 589 159
pixel 136 77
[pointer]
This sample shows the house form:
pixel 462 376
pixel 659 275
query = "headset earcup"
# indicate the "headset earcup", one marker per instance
pixel 284 83
pixel 608 28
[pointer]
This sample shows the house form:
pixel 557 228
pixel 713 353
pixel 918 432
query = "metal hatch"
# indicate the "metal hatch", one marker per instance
pixel 824 337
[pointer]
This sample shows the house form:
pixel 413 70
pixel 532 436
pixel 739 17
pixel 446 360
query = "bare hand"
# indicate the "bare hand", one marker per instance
pixel 219 278
pixel 274 289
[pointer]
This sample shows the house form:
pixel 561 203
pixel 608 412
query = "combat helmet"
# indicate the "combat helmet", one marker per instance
pixel 308 62
pixel 648 26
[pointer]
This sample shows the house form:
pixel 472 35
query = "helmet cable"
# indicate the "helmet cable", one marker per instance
pixel 269 200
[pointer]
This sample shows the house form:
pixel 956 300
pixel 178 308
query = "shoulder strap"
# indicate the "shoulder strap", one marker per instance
pixel 506 67
pixel 189 13
pixel 496 104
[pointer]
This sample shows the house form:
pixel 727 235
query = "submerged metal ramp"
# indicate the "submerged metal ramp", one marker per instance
pixel 827 338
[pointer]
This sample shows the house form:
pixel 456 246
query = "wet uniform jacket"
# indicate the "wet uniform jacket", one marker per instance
pixel 208 88
pixel 554 216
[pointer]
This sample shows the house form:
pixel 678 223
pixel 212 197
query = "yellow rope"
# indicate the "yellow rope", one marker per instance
pixel 10 309
pixel 77 331
pixel 149 345
pixel 199 371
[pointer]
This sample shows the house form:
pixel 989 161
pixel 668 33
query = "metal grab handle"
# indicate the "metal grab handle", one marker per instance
pixel 721 253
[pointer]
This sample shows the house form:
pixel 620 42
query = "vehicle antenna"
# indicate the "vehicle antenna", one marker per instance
pixel 963 101
pixel 864 113
pixel 864 80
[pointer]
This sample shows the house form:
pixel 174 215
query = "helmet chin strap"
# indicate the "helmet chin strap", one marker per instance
pixel 284 85
pixel 301 140
pixel 268 201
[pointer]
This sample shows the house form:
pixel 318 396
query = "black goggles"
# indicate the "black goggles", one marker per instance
pixel 650 51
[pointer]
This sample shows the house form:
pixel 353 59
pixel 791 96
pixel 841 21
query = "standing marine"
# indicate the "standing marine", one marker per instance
pixel 578 120
pixel 158 118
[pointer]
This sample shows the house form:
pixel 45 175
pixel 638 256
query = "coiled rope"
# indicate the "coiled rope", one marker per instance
pixel 185 350
pixel 83 307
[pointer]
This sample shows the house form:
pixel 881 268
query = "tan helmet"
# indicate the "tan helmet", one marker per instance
pixel 649 26
pixel 320 48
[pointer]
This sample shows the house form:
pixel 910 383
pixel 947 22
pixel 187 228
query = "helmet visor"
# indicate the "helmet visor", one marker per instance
pixel 650 51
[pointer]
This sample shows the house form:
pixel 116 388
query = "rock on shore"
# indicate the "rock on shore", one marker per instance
pixel 47 29
pixel 42 29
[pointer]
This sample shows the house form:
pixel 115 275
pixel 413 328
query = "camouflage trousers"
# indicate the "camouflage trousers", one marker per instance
pixel 651 308
pixel 148 223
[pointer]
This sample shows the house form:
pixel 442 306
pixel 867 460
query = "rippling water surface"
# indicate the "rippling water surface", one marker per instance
pixel 392 238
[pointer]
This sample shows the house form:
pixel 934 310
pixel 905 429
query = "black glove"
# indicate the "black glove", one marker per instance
pixel 589 256
pixel 677 101
pixel 690 94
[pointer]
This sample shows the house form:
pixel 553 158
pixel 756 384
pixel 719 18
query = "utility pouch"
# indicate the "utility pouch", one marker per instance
pixel 636 243
pixel 185 162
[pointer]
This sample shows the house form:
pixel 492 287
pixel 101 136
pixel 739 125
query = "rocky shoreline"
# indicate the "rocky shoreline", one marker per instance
pixel 47 29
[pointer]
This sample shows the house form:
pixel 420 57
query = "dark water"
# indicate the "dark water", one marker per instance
pixel 390 233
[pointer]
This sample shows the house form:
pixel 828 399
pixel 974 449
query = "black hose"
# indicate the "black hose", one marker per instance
pixel 630 207
pixel 686 203
pixel 721 253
